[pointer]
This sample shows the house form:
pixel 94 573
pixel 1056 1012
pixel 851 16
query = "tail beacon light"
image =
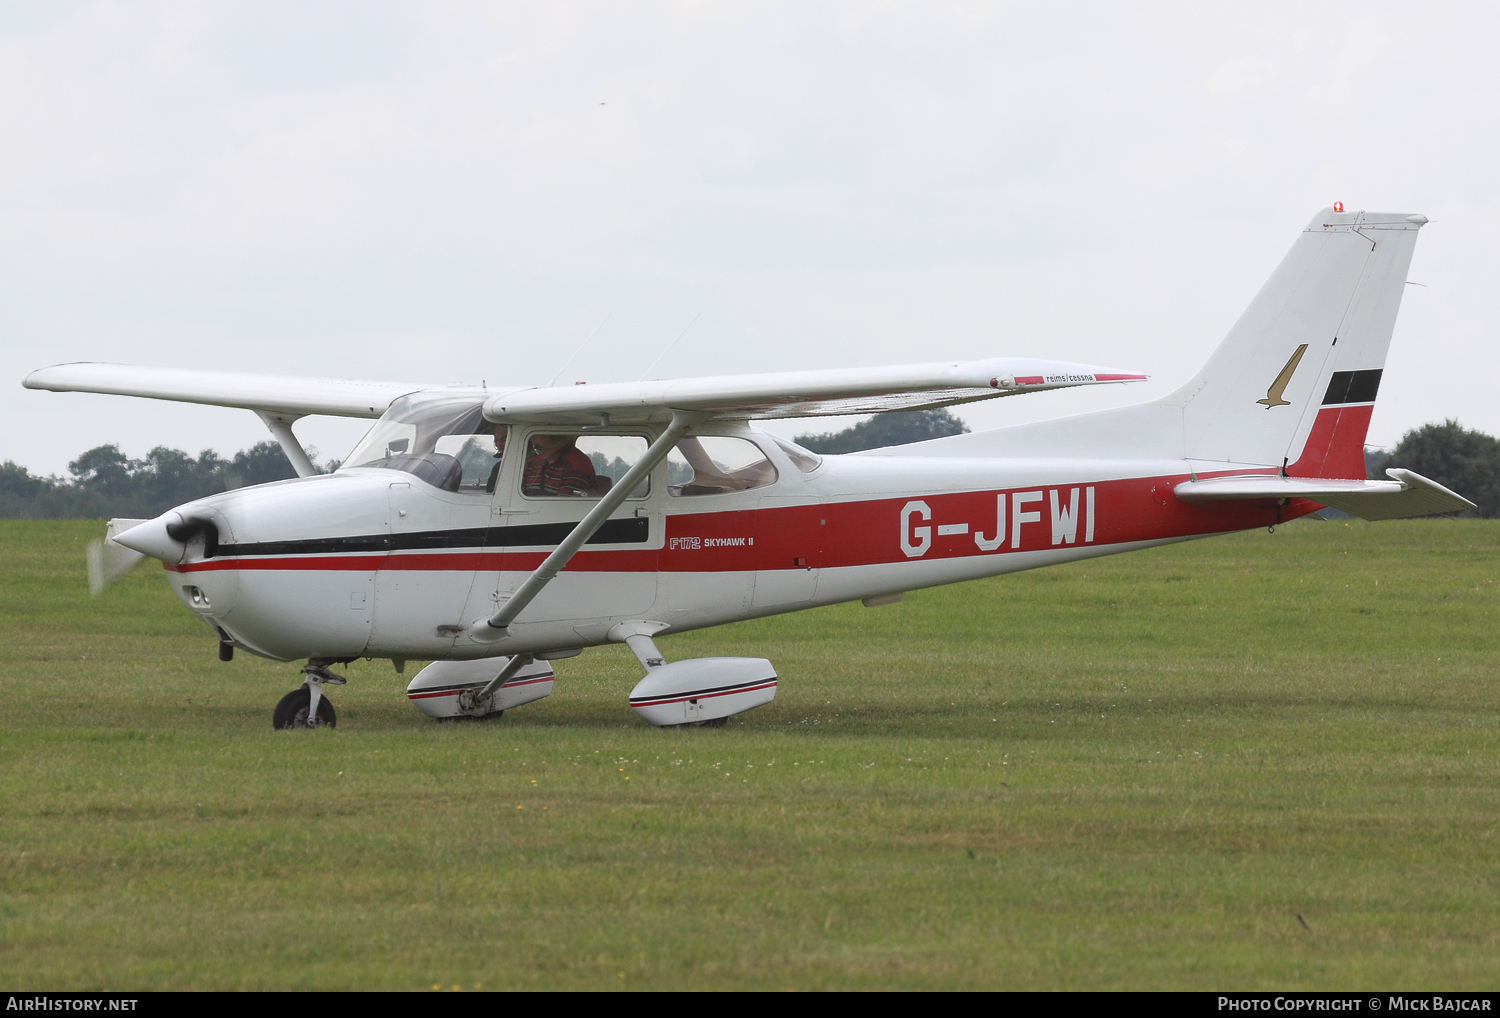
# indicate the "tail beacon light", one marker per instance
pixel 1338 206
pixel 703 690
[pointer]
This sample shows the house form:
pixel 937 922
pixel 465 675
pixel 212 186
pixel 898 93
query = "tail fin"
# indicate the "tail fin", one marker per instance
pixel 1294 382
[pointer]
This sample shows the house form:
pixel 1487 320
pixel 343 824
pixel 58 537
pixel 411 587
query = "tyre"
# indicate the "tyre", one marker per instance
pixel 710 723
pixel 291 712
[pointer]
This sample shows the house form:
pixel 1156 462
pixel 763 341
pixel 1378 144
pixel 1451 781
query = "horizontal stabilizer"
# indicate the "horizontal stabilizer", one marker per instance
pixel 801 393
pixel 1406 494
pixel 275 394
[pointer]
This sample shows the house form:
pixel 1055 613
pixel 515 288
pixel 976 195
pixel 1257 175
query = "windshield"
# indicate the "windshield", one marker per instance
pixel 445 441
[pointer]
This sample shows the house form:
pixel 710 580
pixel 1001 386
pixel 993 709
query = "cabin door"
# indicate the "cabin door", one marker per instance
pixel 788 550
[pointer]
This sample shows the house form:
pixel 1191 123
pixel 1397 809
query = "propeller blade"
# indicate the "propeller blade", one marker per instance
pixel 109 561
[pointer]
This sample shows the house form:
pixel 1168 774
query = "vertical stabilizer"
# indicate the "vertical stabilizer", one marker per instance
pixel 1295 380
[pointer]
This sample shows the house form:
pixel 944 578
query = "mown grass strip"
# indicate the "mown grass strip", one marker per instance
pixel 1128 773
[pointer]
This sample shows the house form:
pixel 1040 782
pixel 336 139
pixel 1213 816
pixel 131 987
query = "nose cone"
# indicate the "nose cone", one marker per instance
pixel 152 538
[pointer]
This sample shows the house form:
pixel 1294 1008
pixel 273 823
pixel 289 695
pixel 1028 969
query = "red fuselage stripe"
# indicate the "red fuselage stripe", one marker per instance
pixel 872 531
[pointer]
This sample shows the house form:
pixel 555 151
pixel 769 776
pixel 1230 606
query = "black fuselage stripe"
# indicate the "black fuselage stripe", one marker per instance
pixel 690 693
pixel 459 687
pixel 627 531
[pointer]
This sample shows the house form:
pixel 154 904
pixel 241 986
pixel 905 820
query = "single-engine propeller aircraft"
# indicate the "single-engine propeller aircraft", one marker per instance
pixel 495 530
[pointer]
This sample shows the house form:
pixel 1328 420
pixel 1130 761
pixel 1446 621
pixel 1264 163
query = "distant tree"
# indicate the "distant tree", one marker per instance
pixel 1467 462
pixel 105 482
pixel 884 430
pixel 24 496
pixel 171 477
pixel 259 464
pixel 103 468
pixel 16 482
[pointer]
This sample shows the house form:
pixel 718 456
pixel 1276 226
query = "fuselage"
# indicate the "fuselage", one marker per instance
pixel 474 523
pixel 379 562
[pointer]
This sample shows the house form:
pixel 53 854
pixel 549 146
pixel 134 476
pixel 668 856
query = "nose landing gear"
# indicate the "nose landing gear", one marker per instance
pixel 306 706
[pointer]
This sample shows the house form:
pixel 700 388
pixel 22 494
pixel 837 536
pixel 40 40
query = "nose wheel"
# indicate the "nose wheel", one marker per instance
pixel 296 707
pixel 306 706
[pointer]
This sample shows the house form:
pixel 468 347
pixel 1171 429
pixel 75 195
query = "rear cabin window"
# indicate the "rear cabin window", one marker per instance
pixel 714 465
pixel 804 460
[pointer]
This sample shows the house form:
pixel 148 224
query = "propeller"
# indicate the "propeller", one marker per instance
pixel 109 561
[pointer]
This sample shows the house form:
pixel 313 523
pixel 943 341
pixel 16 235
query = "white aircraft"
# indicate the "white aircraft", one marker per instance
pixel 492 531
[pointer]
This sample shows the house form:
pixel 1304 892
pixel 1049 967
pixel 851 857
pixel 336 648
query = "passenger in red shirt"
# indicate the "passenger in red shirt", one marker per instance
pixel 556 467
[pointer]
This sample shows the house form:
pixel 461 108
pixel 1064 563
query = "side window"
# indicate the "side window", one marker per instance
pixel 580 466
pixel 478 456
pixel 713 466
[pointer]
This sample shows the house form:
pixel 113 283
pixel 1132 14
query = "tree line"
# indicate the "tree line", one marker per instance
pixel 104 482
pixel 900 427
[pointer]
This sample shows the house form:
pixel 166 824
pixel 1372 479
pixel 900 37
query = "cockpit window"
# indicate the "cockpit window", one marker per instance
pixel 714 465
pixel 805 460
pixel 445 442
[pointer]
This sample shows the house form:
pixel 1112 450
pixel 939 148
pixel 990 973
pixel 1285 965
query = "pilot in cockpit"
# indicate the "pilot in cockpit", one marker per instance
pixel 502 431
pixel 557 467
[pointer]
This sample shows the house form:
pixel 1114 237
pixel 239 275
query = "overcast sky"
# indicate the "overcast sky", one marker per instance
pixel 452 192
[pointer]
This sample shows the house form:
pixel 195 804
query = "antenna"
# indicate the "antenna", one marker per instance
pixel 668 350
pixel 577 352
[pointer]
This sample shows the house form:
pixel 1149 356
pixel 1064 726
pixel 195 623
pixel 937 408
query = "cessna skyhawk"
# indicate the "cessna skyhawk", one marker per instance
pixel 492 531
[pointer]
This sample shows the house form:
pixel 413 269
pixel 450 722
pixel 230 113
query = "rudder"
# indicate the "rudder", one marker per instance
pixel 1294 382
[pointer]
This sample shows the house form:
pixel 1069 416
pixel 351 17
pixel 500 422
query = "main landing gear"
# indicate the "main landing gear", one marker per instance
pixel 306 706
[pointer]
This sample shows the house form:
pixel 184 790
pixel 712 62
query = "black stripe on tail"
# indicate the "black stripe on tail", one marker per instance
pixel 1353 387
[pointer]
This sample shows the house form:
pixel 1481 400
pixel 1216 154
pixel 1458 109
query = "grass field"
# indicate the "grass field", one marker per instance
pixel 1136 772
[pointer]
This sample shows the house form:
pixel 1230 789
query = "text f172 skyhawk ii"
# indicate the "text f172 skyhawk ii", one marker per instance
pixel 492 531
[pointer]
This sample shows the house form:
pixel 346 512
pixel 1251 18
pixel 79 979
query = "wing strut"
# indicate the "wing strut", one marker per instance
pixel 497 627
pixel 281 430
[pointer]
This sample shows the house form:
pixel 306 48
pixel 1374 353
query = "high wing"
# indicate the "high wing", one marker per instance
pixel 1406 494
pixel 737 397
pixel 282 395
pixel 799 393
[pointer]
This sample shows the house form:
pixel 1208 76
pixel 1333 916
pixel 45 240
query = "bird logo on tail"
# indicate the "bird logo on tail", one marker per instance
pixel 1273 394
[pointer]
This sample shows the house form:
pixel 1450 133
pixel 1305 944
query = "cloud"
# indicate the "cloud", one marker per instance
pixel 459 192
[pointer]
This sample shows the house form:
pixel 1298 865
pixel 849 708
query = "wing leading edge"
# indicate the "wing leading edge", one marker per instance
pixel 267 394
